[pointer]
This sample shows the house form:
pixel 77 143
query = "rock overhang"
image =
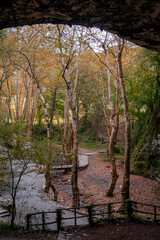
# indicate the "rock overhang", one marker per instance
pixel 137 21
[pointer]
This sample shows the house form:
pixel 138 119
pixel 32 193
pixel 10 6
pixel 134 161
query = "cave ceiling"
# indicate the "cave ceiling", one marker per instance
pixel 137 21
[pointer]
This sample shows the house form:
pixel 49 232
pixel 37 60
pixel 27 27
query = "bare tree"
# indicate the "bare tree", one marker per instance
pixel 112 115
pixel 31 73
pixel 67 75
pixel 126 179
pixel 16 161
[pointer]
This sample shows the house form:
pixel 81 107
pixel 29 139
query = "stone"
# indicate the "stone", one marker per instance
pixel 137 21
pixel 5 203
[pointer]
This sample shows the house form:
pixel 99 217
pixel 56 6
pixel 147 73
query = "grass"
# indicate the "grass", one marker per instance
pixel 119 157
pixel 92 145
pixel 5 228
pixel 104 156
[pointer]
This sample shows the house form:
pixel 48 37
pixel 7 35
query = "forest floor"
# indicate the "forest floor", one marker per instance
pixel 94 180
pixel 117 230
pixel 29 236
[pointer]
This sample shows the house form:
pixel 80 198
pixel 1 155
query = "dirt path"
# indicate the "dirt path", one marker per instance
pixel 30 236
pixel 116 231
pixel 94 180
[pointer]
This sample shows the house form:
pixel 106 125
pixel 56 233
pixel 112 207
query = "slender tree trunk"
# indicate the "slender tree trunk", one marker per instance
pixel 125 194
pixel 17 99
pixel 114 174
pixel 29 127
pixel 117 109
pixel 48 183
pixel 48 163
pixel 71 94
pixel 64 144
pixel 68 133
pixel 53 105
pixel 13 214
pixel 114 129
pixel 107 121
pixel 8 102
pixel 75 162
pixel 34 104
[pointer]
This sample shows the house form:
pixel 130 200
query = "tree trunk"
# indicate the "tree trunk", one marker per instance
pixel 114 174
pixel 64 144
pixel 29 127
pixel 71 94
pixel 71 99
pixel 53 105
pixel 114 127
pixel 9 101
pixel 34 104
pixel 125 194
pixel 13 213
pixel 17 99
pixel 74 180
pixel 48 183
pixel 68 133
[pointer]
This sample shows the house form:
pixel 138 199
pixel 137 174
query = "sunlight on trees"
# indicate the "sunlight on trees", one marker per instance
pixel 61 84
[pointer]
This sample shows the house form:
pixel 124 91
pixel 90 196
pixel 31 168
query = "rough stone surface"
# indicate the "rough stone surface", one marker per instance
pixel 31 198
pixel 138 20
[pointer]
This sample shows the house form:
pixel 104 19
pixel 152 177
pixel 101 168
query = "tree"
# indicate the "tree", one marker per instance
pixel 71 95
pixel 28 63
pixel 49 183
pixel 146 153
pixel 16 159
pixel 126 178
pixel 107 43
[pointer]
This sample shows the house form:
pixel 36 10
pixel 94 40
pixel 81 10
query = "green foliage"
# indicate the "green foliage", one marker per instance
pixel 105 156
pixel 41 151
pixel 141 75
pixel 16 154
pixel 6 228
pixel 129 208
pixel 143 89
pixel 39 131
pixel 145 156
pixel 84 124
pixel 91 145
pixel 144 92
pixel 118 149
pixel 55 134
pixel 146 160
pixel 158 170
pixel 94 139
